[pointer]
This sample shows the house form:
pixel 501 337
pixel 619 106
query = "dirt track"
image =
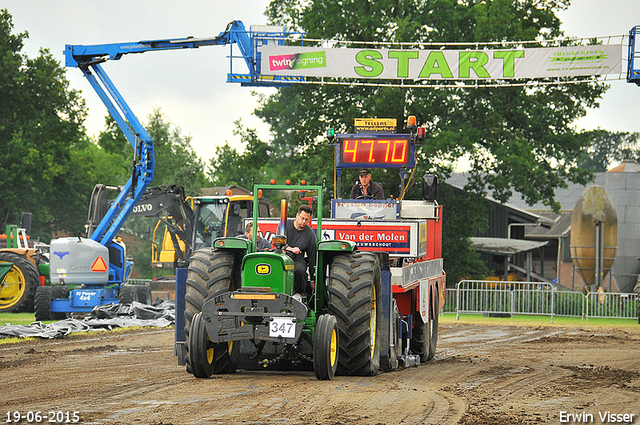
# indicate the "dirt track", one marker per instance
pixel 482 374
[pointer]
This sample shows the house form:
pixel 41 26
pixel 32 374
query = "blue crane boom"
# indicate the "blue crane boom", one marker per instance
pixel 89 59
pixel 98 264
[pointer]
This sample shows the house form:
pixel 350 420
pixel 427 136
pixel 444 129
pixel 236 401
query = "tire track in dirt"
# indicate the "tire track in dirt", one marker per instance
pixel 482 374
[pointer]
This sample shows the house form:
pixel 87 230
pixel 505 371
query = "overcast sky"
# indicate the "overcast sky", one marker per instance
pixel 190 85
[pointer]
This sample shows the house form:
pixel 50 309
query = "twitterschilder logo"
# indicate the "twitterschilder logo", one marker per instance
pixel 580 56
pixel 298 61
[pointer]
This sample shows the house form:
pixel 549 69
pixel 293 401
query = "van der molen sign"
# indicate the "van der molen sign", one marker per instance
pixel 442 64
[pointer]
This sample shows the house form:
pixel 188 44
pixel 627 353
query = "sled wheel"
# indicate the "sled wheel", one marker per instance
pixel 325 348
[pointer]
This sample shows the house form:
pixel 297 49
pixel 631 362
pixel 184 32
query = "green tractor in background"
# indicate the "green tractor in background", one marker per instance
pixel 240 306
pixel 23 267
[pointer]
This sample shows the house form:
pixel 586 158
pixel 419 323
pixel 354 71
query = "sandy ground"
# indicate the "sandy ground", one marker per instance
pixel 482 374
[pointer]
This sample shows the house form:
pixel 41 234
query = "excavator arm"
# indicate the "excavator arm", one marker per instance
pixel 169 205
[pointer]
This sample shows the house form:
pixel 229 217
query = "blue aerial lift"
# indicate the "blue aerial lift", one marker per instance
pixel 633 69
pixel 96 266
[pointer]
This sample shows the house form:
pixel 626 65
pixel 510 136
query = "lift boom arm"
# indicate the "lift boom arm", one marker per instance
pixel 89 59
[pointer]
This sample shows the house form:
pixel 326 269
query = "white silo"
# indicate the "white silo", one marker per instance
pixel 622 184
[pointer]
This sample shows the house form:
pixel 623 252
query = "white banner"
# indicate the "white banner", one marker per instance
pixel 442 64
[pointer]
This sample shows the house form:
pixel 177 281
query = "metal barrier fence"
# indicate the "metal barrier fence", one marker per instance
pixel 612 305
pixel 536 298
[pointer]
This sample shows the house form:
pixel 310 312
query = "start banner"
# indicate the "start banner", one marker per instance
pixel 445 64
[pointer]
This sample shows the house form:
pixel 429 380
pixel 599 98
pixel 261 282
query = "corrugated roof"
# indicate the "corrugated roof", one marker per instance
pixel 560 228
pixel 502 246
pixel 567 198
pixel 511 206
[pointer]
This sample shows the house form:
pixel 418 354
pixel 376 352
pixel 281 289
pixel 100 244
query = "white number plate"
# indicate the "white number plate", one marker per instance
pixel 283 327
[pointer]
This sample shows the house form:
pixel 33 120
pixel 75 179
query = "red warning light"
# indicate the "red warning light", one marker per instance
pixel 273 181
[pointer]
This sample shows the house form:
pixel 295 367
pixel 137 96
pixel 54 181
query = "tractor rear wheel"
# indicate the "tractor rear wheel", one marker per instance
pixel 18 287
pixel 354 285
pixel 325 347
pixel 211 272
pixel 42 303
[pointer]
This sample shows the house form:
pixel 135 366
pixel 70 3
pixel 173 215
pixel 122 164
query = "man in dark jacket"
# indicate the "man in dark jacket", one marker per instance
pixel 301 241
pixel 365 188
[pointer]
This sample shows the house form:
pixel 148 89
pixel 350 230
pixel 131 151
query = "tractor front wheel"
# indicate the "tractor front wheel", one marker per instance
pixel 211 272
pixel 127 294
pixel 18 287
pixel 144 294
pixel 433 340
pixel 395 350
pixel 201 350
pixel 325 347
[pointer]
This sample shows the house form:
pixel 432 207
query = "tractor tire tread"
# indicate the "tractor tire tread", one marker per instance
pixel 350 304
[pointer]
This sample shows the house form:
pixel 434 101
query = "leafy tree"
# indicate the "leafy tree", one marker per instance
pixel 462 262
pixel 254 165
pixel 43 139
pixel 176 161
pixel 602 148
pixel 515 138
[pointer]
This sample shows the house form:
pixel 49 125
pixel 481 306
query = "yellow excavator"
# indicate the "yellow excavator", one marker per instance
pixel 189 223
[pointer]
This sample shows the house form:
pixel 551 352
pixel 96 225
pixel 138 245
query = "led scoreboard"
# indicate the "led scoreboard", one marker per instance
pixel 375 150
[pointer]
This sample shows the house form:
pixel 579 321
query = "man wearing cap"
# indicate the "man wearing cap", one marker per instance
pixel 365 188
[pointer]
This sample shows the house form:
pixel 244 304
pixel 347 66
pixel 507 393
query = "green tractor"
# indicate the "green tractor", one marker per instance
pixel 23 268
pixel 240 306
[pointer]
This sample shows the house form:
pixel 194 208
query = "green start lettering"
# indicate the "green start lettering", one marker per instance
pixel 403 57
pixel 436 63
pixel 475 61
pixel 370 65
pixel 509 61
